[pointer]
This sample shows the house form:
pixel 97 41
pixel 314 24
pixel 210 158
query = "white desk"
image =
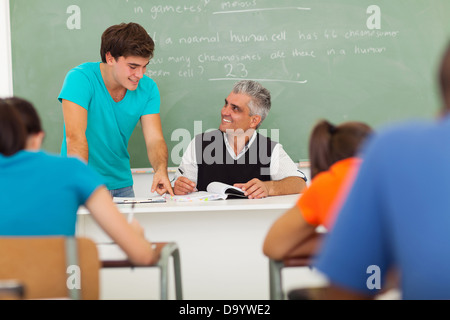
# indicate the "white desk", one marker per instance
pixel 220 245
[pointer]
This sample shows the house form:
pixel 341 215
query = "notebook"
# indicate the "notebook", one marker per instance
pixel 119 200
pixel 215 191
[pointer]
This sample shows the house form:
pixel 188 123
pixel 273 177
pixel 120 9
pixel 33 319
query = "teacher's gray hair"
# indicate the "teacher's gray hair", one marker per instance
pixel 260 97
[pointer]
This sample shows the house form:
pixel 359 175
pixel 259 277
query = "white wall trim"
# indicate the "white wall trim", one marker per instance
pixel 6 80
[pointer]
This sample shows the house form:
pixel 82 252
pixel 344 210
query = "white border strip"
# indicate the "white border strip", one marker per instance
pixel 6 81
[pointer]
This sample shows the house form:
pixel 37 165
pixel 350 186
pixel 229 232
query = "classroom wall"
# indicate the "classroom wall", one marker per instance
pixel 340 60
pixel 6 88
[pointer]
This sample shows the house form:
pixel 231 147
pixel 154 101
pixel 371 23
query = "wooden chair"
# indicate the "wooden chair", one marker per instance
pixel 275 277
pixel 166 250
pixel 51 267
pixel 11 290
pixel 308 293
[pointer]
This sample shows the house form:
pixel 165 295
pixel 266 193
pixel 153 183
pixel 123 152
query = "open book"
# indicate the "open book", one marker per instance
pixel 215 191
pixel 225 189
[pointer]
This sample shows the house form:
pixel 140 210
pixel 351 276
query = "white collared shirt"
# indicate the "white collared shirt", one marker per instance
pixel 281 165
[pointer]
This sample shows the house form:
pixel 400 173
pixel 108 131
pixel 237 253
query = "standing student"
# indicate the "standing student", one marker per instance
pixel 394 219
pixel 236 154
pixel 41 193
pixel 333 152
pixel 102 103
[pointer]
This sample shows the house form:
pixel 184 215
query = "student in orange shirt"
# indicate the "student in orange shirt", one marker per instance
pixel 334 162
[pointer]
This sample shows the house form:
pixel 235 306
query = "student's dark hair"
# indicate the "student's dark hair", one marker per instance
pixel 28 114
pixel 444 78
pixel 126 39
pixel 329 143
pixel 13 135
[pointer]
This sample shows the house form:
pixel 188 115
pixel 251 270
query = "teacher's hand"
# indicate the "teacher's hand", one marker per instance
pixel 254 189
pixel 183 186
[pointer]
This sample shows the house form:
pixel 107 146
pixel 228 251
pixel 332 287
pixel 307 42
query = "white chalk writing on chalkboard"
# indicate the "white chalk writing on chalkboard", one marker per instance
pixel 339 59
pixel 293 44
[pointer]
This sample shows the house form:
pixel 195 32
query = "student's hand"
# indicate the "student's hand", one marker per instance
pixel 161 183
pixel 137 227
pixel 183 186
pixel 254 189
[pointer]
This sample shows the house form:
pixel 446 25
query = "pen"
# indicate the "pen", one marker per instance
pixel 130 215
pixel 180 171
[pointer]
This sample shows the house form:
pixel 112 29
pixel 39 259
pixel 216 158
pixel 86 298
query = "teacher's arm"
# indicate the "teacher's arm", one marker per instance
pixel 75 120
pixel 186 175
pixel 256 189
pixel 183 186
pixel 157 152
pixel 288 185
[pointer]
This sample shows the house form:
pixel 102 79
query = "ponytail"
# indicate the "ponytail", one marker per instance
pixel 329 143
pixel 319 147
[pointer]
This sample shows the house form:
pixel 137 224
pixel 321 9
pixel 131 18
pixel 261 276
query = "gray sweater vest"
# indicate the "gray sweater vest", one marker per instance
pixel 216 164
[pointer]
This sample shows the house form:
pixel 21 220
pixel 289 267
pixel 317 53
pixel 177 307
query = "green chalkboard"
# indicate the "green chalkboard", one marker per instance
pixel 372 61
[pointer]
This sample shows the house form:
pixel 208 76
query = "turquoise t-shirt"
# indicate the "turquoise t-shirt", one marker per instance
pixel 110 124
pixel 41 193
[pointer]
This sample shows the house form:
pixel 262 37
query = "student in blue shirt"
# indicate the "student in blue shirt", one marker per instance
pixel 102 103
pixel 393 220
pixel 41 193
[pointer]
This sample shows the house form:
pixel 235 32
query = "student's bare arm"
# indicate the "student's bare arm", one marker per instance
pixel 129 236
pixel 75 120
pixel 290 236
pixel 157 152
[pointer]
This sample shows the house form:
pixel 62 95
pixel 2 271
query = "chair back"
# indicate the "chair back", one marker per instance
pixel 51 267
